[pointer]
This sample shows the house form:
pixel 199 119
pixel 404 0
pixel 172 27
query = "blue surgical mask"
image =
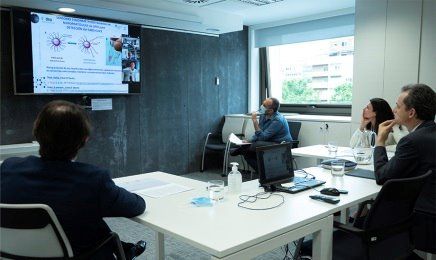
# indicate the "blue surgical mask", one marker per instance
pixel 261 110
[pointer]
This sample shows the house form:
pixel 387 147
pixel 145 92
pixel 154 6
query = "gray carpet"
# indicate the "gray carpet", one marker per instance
pixel 130 231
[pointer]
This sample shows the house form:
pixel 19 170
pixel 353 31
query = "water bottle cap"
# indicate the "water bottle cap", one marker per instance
pixel 235 166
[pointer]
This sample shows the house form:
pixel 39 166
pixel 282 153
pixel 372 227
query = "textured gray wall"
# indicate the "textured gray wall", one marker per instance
pixel 164 127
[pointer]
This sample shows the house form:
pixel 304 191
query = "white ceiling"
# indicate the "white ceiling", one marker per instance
pixel 206 16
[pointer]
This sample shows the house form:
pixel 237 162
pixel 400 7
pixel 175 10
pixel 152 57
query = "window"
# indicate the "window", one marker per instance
pixel 313 72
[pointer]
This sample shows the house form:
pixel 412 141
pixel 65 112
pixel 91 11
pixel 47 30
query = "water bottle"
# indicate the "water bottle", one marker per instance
pixel 234 179
pixel 364 148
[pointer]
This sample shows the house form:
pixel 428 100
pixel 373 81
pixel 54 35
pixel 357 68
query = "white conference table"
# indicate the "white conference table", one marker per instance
pixel 321 152
pixel 226 231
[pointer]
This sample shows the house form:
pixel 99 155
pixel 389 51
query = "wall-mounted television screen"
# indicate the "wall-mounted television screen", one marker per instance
pixel 63 54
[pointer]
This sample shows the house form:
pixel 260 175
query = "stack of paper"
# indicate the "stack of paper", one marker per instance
pixel 153 188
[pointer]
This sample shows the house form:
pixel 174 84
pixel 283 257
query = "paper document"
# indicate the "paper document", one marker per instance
pixel 234 139
pixel 153 188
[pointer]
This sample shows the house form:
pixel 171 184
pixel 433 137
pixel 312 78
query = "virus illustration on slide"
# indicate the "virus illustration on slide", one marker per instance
pixel 87 46
pixel 56 42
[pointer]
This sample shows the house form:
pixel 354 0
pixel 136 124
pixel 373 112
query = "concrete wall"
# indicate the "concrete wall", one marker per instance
pixel 164 127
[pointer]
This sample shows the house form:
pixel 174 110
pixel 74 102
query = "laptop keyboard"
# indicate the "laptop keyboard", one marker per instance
pixel 300 184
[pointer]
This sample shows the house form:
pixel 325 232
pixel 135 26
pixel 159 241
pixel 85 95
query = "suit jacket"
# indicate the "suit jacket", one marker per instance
pixel 415 155
pixel 80 195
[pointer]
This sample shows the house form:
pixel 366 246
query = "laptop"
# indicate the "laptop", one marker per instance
pixel 276 171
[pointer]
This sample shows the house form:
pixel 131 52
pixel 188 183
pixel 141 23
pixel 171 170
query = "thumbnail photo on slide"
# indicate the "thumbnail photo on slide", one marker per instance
pixel 130 59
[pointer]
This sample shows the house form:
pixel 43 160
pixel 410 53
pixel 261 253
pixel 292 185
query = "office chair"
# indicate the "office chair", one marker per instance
pixel 294 128
pixel 219 142
pixel 424 233
pixel 32 231
pixel 424 225
pixel 386 231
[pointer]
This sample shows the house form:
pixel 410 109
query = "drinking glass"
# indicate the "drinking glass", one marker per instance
pixel 216 190
pixel 363 155
pixel 338 168
pixel 332 146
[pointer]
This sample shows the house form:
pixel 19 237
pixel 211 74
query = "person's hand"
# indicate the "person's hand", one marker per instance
pixel 254 116
pixel 383 131
pixel 364 121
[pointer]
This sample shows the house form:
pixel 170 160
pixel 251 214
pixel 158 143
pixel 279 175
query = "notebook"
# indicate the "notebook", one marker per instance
pixel 349 165
pixel 367 174
pixel 276 172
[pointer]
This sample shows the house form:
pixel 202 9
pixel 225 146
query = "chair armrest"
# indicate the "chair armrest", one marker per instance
pixel 349 229
pixel 375 235
pixel 215 135
pixel 113 237
pixel 213 138
pixel 362 206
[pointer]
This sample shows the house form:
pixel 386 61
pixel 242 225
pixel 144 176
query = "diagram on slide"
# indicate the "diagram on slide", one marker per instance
pixel 87 46
pixel 56 42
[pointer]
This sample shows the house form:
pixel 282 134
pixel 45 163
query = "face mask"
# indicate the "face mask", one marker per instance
pixel 261 110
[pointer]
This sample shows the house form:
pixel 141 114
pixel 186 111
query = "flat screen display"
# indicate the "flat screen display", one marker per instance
pixel 274 164
pixel 59 54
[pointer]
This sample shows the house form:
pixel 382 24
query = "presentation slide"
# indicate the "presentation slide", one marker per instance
pixel 76 55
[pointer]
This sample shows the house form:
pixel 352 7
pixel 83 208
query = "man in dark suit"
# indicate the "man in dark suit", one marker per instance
pixel 415 155
pixel 80 194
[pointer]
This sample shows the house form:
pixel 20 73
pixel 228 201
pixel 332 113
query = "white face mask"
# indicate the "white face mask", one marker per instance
pixel 261 110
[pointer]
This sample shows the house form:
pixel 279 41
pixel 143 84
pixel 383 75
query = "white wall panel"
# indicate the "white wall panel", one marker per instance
pixel 403 29
pixel 427 73
pixel 369 48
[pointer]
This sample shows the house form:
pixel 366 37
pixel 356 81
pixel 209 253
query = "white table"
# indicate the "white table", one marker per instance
pixel 321 152
pixel 226 231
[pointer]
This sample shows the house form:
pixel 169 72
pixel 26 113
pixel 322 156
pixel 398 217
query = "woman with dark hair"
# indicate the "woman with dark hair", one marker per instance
pixel 376 112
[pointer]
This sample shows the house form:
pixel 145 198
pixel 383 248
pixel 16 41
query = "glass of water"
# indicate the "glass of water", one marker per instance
pixel 338 168
pixel 332 146
pixel 216 190
pixel 363 155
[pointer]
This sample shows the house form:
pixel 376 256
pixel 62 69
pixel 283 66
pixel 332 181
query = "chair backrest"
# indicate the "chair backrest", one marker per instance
pixel 31 230
pixel 294 128
pixel 395 202
pixel 232 124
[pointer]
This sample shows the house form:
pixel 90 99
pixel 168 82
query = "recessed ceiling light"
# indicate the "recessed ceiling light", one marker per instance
pixel 66 10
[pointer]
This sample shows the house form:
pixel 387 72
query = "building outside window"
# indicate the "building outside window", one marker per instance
pixel 312 72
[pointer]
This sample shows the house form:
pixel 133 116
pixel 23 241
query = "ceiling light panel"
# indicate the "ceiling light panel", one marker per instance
pixel 198 3
pixel 259 2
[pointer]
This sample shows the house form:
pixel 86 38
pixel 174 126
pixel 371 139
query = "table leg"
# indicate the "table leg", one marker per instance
pixel 160 250
pixel 345 214
pixel 323 241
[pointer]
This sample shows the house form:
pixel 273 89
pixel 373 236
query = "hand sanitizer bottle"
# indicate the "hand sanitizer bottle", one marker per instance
pixel 234 179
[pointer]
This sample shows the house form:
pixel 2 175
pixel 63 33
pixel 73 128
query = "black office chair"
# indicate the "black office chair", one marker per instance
pixel 32 231
pixel 294 128
pixel 424 233
pixel 424 223
pixel 386 230
pixel 219 143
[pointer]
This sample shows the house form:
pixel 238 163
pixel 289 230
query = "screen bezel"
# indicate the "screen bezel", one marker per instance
pixel 261 166
pixel 23 58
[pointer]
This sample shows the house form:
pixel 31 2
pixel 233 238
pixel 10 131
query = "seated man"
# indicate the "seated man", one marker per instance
pixel 272 128
pixel 415 155
pixel 80 194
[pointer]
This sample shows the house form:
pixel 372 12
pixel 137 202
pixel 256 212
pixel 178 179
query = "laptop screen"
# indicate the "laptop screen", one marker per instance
pixel 274 164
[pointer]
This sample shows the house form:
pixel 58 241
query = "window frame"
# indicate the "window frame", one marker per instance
pixel 309 108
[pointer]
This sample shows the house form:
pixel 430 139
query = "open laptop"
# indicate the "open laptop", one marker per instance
pixel 276 172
